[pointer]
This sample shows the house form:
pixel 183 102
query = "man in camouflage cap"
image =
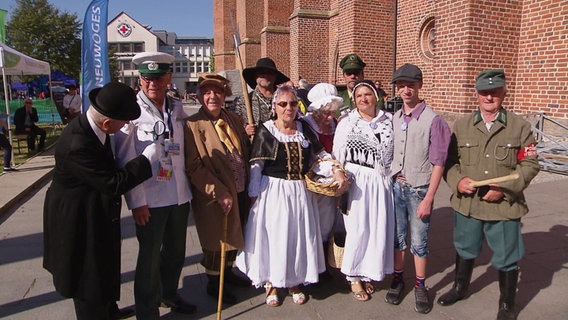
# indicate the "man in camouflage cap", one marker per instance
pixel 353 73
pixel 491 142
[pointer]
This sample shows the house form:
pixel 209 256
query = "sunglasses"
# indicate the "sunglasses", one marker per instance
pixel 153 77
pixel 283 104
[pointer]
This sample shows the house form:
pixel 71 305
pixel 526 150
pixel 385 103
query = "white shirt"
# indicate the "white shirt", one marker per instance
pixel 135 136
pixel 72 102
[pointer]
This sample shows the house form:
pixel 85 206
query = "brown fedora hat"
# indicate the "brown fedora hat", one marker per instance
pixel 263 64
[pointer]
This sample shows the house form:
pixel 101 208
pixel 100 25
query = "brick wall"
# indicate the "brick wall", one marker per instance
pixel 542 67
pixel 526 38
pixel 222 34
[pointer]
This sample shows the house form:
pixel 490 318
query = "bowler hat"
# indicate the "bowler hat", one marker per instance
pixel 490 79
pixel 352 62
pixel 215 80
pixel 408 72
pixel 263 64
pixel 116 101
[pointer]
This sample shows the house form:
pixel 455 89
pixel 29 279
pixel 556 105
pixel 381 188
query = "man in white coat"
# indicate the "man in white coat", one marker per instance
pixel 160 206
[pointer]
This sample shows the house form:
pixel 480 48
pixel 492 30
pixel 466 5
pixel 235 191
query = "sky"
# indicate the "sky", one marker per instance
pixel 187 18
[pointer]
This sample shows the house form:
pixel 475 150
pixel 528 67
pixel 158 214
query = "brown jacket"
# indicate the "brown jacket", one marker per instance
pixel 208 170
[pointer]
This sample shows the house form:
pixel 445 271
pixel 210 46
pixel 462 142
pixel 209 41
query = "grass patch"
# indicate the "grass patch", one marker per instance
pixel 19 158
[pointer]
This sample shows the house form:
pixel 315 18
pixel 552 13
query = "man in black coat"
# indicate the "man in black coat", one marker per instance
pixel 25 119
pixel 82 205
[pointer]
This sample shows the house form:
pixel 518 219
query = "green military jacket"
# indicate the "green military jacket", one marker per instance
pixel 480 154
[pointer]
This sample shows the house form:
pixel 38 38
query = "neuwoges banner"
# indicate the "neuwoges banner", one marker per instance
pixel 95 71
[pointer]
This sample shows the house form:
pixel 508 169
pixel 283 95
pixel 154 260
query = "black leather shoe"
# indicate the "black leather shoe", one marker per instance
pixel 180 306
pixel 10 169
pixel 213 291
pixel 236 280
pixel 124 313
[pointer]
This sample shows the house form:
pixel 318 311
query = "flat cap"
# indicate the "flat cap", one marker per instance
pixel 352 62
pixel 116 101
pixel 490 79
pixel 407 72
pixel 215 80
pixel 150 63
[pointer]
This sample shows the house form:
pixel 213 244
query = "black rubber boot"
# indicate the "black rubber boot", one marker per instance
pixel 464 269
pixel 508 289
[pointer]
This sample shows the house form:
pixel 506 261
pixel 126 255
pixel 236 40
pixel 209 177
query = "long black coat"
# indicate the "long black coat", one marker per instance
pixel 82 214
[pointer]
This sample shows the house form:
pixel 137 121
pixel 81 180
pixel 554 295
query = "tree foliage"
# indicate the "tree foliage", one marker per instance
pixel 39 30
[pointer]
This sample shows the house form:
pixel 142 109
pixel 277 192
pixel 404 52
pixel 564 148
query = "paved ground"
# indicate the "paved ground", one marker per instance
pixel 27 291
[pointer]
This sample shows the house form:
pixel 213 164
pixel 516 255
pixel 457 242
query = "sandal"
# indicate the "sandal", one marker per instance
pixel 358 293
pixel 298 297
pixel 369 287
pixel 271 296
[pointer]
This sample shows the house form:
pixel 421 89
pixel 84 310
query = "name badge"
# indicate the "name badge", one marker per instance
pixel 173 148
pixel 165 170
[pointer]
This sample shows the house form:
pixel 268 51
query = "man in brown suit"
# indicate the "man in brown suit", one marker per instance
pixel 217 157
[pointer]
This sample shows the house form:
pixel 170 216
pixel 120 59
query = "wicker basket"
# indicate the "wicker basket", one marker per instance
pixel 312 183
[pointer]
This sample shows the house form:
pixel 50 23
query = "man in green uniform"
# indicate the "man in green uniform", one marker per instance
pixel 489 143
pixel 353 73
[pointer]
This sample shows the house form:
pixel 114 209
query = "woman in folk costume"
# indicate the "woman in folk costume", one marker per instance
pixel 321 119
pixel 363 143
pixel 282 237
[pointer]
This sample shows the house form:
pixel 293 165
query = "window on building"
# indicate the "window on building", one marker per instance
pixel 206 67
pixel 199 67
pixel 124 47
pixel 138 47
pixel 127 65
pixel 113 47
pixel 192 68
pixel 184 67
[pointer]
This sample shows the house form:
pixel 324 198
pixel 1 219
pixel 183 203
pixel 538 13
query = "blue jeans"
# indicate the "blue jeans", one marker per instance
pixel 406 201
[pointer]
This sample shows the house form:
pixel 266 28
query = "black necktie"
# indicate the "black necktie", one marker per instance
pixel 108 149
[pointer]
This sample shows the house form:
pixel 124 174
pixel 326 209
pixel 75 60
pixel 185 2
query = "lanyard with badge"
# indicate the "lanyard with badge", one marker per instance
pixel 171 147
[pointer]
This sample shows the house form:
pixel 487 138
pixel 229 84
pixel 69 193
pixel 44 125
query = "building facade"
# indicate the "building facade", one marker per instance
pixel 126 37
pixel 451 41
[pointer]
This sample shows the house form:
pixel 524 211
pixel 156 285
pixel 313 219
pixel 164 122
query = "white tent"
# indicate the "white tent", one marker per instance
pixel 13 62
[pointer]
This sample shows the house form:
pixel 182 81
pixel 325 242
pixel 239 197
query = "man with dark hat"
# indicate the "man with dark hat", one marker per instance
pixel 160 206
pixel 491 142
pixel 263 78
pixel 421 140
pixel 217 162
pixel 353 73
pixel 82 206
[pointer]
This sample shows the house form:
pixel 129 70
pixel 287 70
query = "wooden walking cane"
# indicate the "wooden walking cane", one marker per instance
pixel 510 177
pixel 222 268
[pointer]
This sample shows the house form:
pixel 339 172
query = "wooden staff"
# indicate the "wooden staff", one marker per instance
pixel 239 61
pixel 222 269
pixel 510 177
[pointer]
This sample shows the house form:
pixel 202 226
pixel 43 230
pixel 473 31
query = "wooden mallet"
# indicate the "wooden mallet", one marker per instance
pixel 510 177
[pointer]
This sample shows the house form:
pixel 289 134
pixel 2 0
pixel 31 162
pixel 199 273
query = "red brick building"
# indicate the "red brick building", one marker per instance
pixel 450 40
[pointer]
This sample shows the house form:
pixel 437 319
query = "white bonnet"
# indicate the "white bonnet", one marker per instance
pixel 322 94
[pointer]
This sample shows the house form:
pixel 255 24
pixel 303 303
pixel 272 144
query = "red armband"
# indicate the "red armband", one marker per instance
pixel 527 151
